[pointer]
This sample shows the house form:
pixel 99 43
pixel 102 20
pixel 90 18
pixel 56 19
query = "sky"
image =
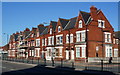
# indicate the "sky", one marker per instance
pixel 16 16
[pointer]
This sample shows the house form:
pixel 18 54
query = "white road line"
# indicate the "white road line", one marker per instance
pixel 3 67
pixel 12 69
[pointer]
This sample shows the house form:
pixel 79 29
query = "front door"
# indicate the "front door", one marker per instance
pixel 67 55
pixel 48 56
pixel 72 54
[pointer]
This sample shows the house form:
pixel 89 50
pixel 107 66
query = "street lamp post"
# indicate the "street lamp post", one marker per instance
pixel 7 37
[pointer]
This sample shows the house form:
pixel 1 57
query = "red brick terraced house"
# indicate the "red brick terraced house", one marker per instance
pixel 86 37
pixel 13 43
pixel 23 43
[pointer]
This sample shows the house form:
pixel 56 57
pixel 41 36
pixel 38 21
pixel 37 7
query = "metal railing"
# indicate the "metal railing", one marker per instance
pixel 100 65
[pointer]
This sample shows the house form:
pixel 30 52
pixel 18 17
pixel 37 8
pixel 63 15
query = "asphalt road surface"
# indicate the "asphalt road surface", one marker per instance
pixel 15 68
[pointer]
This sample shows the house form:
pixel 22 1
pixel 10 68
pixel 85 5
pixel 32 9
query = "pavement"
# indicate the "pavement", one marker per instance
pixel 16 68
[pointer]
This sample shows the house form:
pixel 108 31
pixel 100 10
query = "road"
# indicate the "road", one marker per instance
pixel 16 68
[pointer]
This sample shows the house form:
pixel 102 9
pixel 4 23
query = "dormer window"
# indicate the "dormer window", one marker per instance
pixel 37 34
pixel 50 30
pixel 101 23
pixel 59 29
pixel 80 24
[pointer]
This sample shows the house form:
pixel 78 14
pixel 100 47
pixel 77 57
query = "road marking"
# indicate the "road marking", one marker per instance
pixel 3 67
pixel 12 69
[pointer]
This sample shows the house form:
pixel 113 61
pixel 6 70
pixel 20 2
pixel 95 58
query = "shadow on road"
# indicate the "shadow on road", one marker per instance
pixel 43 70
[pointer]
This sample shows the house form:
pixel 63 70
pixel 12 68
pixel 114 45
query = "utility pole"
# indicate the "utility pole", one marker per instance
pixel 7 37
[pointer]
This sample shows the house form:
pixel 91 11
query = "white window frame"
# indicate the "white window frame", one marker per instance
pixel 43 42
pixel 115 52
pixel 109 53
pixel 83 36
pixel 80 24
pixel 52 40
pixel 77 52
pixel 58 41
pixel 80 37
pixel 67 38
pixel 83 51
pixel 100 23
pixel 50 30
pixel 59 28
pixel 107 37
pixel 37 42
pixel 71 38
pixel 37 34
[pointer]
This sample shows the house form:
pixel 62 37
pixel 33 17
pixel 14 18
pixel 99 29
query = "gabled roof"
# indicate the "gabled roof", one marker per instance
pixel 16 37
pixel 63 22
pixel 85 16
pixel 41 29
pixel 71 23
pixel 117 34
pixel 26 33
pixel 54 24
pixel 45 31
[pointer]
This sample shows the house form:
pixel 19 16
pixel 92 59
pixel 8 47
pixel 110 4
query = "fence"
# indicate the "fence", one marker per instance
pixel 101 65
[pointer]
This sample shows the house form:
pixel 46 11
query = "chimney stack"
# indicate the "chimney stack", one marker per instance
pixel 93 12
pixel 40 25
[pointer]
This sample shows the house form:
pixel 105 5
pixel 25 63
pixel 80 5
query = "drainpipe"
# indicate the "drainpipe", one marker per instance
pixel 86 43
pixel 69 43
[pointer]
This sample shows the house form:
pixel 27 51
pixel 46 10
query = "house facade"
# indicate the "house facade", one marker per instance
pixel 87 36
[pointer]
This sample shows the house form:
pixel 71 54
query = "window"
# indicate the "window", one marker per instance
pixel 83 36
pixel 83 52
pixel 48 52
pixel 108 51
pixel 80 24
pixel 77 51
pixel 67 38
pixel 115 52
pixel 71 38
pixel 37 34
pixel 43 42
pixel 57 52
pixel 53 40
pixel 50 30
pixel 59 39
pixel 107 37
pixel 59 29
pixel 37 42
pixel 101 23
pixel 80 36
pixel 60 51
pixel 49 40
pixel 116 41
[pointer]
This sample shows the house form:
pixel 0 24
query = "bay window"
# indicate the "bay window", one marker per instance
pixel 80 36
